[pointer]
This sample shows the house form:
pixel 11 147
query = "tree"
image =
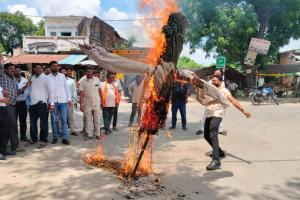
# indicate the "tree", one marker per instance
pixel 185 62
pixel 126 44
pixel 12 27
pixel 227 26
pixel 40 28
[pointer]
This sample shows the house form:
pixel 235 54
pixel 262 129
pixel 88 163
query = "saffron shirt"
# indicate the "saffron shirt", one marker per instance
pixel 110 96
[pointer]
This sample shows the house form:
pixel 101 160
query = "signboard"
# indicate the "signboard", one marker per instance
pixel 52 44
pixel 250 58
pixel 259 46
pixel 220 62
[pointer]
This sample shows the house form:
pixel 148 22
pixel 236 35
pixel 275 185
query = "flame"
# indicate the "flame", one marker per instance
pixel 160 10
pixel 157 9
pixel 91 158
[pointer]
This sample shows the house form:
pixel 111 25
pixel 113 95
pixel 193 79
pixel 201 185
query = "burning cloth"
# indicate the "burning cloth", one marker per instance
pixel 205 94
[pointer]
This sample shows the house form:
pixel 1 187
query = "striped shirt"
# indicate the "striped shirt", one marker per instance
pixel 11 85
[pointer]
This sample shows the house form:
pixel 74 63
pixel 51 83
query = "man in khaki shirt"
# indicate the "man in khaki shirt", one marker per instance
pixel 90 98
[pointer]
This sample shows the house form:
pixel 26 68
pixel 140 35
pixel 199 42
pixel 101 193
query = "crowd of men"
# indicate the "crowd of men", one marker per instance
pixel 52 90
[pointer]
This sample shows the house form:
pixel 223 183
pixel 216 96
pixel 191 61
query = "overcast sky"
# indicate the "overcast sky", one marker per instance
pixel 105 9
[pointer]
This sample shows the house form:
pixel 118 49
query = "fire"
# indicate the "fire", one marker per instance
pixel 150 122
pixel 91 158
pixel 157 9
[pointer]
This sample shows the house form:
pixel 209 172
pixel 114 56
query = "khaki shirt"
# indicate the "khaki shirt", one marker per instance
pixel 90 89
pixel 135 91
pixel 217 109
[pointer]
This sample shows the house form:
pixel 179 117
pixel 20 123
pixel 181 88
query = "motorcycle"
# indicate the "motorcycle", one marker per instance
pixel 265 94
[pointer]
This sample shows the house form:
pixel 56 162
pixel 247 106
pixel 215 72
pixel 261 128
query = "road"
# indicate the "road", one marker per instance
pixel 263 161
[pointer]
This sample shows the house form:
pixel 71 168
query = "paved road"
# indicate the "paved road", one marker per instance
pixel 263 161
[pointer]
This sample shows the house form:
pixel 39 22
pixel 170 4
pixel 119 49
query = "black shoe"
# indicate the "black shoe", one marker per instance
pixel 223 133
pixel 115 129
pixel 221 154
pixel 25 139
pixel 185 129
pixel 11 153
pixel 74 133
pixel 20 149
pixel 2 157
pixel 42 145
pixel 98 137
pixel 54 141
pixel 213 165
pixel 172 128
pixel 86 138
pixel 66 142
pixel 199 132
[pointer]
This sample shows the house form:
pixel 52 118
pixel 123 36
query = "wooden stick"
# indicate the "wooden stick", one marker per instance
pixel 141 155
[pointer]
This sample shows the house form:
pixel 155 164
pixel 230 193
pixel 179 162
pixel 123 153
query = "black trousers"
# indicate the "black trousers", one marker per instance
pixel 12 127
pixel 115 116
pixel 39 111
pixel 107 113
pixel 211 130
pixel 135 109
pixel 3 129
pixel 21 111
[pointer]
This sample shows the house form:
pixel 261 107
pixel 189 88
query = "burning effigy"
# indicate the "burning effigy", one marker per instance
pixel 159 72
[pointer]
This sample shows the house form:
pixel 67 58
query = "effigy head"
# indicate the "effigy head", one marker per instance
pixel 174 32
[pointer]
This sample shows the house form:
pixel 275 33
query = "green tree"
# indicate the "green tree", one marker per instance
pixel 185 62
pixel 12 27
pixel 227 26
pixel 126 44
pixel 1 48
pixel 40 28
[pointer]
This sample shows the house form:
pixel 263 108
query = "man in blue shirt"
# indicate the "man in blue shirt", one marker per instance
pixel 179 99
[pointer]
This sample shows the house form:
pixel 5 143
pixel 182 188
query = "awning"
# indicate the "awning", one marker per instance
pixel 88 62
pixel 279 69
pixel 72 59
pixel 36 58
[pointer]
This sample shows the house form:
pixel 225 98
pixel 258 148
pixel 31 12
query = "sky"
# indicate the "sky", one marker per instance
pixel 106 10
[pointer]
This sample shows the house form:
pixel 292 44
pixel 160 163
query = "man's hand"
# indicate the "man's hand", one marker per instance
pixel 5 93
pixel 197 83
pixel 247 114
pixel 5 100
pixel 51 108
pixel 28 84
pixel 70 104
pixel 75 105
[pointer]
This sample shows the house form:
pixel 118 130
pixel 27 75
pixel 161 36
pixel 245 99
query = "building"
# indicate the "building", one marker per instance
pixel 64 33
pixel 289 57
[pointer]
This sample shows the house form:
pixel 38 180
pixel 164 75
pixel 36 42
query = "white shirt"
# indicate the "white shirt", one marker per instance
pixel 72 85
pixel 21 84
pixel 110 98
pixel 217 109
pixel 2 97
pixel 40 89
pixel 60 89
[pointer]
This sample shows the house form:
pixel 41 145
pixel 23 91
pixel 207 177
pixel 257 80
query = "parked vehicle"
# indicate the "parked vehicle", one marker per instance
pixel 261 95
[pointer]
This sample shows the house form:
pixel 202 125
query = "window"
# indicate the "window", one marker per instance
pixel 52 33
pixel 66 34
